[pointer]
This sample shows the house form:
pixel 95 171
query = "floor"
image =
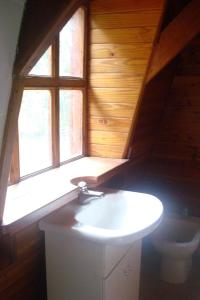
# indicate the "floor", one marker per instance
pixel 152 288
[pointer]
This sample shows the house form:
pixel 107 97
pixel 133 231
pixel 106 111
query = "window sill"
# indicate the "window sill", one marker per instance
pixel 33 198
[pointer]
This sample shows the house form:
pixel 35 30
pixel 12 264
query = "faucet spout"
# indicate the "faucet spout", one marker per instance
pixel 86 195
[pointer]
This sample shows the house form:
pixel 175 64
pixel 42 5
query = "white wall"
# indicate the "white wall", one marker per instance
pixel 10 20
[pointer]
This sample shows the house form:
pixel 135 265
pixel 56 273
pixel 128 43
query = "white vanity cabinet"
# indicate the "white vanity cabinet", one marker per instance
pixel 79 269
pixel 93 251
pixel 123 281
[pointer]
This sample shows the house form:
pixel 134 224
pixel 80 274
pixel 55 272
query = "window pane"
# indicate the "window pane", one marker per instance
pixel 35 131
pixel 72 46
pixel 43 66
pixel 71 107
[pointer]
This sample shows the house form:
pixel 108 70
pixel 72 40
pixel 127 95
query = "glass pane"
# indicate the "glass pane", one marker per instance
pixel 72 46
pixel 43 66
pixel 35 131
pixel 71 110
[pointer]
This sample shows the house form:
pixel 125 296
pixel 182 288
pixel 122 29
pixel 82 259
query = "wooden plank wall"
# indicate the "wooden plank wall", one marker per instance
pixel 150 113
pixel 175 157
pixel 22 267
pixel 121 39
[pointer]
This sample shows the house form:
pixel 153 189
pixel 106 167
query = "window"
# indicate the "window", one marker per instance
pixel 44 64
pixel 50 123
pixel 71 106
pixel 34 130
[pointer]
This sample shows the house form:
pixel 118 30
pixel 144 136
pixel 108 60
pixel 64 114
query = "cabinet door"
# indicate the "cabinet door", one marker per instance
pixel 123 282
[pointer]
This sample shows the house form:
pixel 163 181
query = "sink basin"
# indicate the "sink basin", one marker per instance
pixel 97 246
pixel 119 217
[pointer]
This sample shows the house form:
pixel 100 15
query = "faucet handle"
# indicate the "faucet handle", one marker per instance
pixel 82 185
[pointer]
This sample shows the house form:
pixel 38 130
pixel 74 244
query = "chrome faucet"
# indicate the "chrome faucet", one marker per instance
pixel 86 195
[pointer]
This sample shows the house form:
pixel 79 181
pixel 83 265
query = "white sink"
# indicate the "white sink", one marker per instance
pixel 119 217
pixel 97 246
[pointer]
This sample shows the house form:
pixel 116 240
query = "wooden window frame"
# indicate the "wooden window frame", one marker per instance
pixel 54 84
pixel 24 62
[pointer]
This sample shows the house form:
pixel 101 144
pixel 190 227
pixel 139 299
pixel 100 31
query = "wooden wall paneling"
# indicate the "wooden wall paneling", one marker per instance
pixel 190 60
pixel 175 156
pixel 101 150
pixel 188 69
pixel 108 123
pixel 140 105
pixel 172 39
pixel 121 37
pixel 128 51
pixel 176 171
pixel 188 85
pixel 29 240
pixel 7 251
pixel 139 18
pixel 107 138
pixel 24 276
pixel 115 80
pixel 112 109
pixel 99 6
pixel 14 279
pixel 175 182
pixel 119 65
pixel 184 100
pixel 113 95
pixel 150 113
pixel 175 151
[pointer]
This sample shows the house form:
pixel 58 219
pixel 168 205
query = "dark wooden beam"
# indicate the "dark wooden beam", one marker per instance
pixel 175 37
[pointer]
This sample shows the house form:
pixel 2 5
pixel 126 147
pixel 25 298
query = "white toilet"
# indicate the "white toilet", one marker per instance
pixel 176 240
